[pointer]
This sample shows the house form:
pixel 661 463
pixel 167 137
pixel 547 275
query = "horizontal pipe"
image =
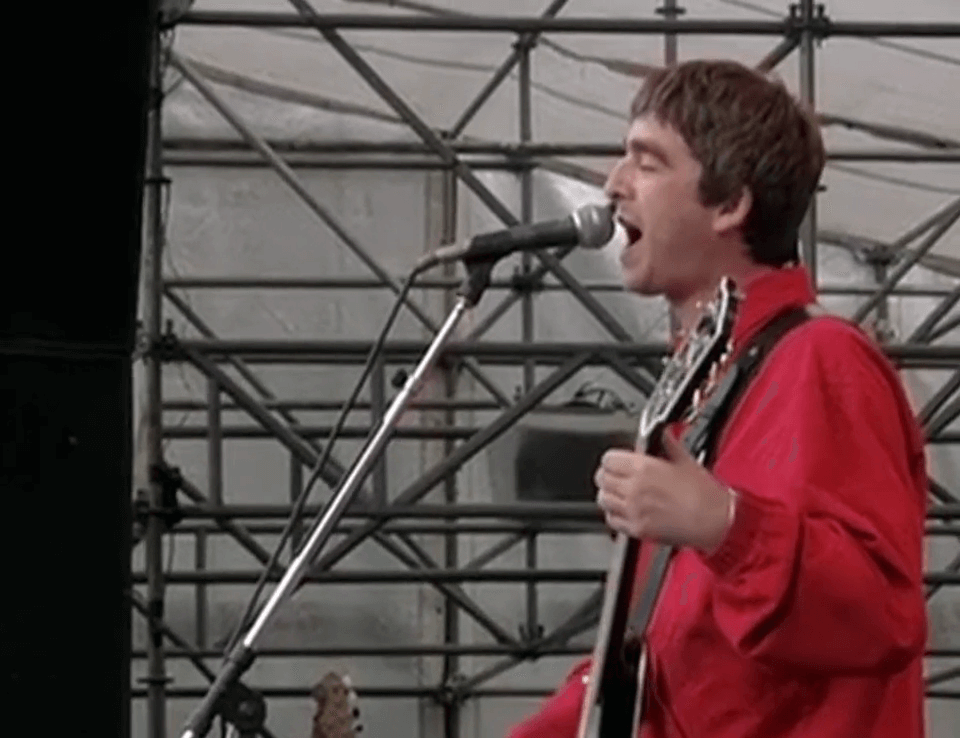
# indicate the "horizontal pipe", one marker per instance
pixel 426 528
pixel 904 291
pixel 361 283
pixel 423 433
pixel 509 149
pixel 420 576
pixel 309 161
pixel 942 530
pixel 437 649
pixel 179 405
pixel 943 694
pixel 439 529
pixel 415 692
pixel 406 576
pixel 525 511
pixel 362 406
pixel 544 350
pixel 322 155
pixel 409 432
pixel 929 156
pixel 371 692
pixel 906 357
pixel 519 24
pixel 516 511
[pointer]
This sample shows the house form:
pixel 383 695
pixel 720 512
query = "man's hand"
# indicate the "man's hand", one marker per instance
pixel 671 500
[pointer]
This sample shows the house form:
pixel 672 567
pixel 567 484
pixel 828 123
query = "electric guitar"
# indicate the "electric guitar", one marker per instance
pixel 614 697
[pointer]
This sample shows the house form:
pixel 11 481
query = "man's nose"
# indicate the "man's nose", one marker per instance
pixel 614 188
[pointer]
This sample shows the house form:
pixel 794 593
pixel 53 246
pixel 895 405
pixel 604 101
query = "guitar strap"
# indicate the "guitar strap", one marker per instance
pixel 702 435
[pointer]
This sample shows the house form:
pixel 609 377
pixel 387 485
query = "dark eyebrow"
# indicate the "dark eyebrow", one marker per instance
pixel 638 146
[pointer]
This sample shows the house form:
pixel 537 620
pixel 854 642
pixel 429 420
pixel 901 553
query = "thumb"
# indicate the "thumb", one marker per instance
pixel 673 448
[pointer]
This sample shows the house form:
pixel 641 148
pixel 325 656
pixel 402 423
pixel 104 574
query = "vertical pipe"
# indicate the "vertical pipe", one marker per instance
pixel 808 228
pixel 524 46
pixel 526 216
pixel 378 406
pixel 451 615
pixel 670 11
pixel 215 493
pixel 214 444
pixel 883 326
pixel 534 631
pixel 296 489
pixel 200 564
pixel 152 312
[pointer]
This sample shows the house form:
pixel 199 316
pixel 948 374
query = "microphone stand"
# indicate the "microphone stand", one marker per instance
pixel 238 704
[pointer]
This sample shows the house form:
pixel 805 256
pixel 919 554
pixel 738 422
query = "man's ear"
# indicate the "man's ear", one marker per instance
pixel 732 215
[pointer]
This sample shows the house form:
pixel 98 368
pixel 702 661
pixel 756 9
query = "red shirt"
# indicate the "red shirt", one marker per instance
pixel 810 619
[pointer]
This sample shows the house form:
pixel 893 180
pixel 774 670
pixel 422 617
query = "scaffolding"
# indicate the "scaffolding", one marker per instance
pixel 176 504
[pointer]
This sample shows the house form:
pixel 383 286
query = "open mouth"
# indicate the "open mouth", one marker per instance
pixel 632 232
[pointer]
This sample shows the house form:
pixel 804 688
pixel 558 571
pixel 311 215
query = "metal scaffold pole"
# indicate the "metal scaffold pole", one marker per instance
pixel 808 228
pixel 156 678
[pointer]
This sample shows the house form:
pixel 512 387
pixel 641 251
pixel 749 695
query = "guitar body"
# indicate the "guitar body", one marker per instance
pixel 616 686
pixel 612 689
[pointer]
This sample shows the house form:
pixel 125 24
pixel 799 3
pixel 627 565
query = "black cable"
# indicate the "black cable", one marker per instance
pixel 315 474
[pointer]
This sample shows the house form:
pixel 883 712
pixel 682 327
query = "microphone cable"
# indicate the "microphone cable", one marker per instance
pixel 301 501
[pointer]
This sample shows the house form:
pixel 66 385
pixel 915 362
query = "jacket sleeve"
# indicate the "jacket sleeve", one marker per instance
pixel 822 567
pixel 559 716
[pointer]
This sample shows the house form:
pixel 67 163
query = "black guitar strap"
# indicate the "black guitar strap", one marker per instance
pixel 702 436
pixel 705 430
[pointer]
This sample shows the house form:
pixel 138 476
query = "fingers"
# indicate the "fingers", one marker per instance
pixel 611 503
pixel 615 511
pixel 621 525
pixel 673 448
pixel 618 463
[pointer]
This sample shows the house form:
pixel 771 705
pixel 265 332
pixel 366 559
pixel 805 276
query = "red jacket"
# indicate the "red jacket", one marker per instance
pixel 810 620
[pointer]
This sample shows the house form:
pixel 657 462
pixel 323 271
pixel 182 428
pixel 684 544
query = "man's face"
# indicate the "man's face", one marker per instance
pixel 669 233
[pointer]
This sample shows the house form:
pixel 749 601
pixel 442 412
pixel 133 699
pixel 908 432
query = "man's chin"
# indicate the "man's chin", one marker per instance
pixel 642 284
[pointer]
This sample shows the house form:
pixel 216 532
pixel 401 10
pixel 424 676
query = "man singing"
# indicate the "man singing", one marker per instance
pixel 794 606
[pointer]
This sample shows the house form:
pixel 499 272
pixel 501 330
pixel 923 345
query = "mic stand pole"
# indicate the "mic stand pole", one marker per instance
pixel 241 656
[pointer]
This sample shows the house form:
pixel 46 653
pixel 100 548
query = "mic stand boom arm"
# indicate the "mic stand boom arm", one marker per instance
pixel 241 656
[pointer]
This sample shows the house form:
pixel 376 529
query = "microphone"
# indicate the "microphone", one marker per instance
pixel 590 226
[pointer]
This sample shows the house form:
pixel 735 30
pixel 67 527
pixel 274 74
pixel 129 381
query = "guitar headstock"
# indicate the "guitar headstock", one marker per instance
pixel 338 714
pixel 692 364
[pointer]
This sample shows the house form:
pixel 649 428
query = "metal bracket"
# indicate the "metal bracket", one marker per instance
pixel 170 480
pixel 452 691
pixel 819 24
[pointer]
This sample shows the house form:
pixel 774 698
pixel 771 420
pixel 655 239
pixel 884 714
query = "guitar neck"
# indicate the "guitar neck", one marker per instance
pixel 642 612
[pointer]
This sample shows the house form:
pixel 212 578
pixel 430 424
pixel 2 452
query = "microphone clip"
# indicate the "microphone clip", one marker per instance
pixel 479 272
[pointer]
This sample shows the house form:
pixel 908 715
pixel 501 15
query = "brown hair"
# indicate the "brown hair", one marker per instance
pixel 746 130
